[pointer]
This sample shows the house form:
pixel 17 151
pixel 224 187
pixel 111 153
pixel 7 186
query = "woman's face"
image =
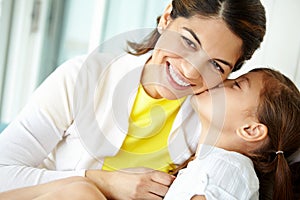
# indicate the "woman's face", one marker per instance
pixel 230 105
pixel 191 56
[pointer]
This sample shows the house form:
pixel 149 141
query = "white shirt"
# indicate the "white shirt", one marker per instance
pixel 218 175
pixel 77 117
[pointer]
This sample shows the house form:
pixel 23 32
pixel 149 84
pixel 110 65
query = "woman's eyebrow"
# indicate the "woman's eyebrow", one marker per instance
pixel 193 34
pixel 224 62
pixel 197 39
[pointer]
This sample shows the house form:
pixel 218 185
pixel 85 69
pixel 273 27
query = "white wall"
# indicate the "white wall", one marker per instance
pixel 281 46
pixel 76 28
pixel 127 15
pixel 23 55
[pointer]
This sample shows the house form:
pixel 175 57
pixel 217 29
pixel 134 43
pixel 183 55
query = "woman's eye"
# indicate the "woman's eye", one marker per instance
pixel 189 42
pixel 217 66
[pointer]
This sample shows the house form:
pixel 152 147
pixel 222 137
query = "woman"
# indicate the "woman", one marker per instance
pixel 261 123
pixel 77 124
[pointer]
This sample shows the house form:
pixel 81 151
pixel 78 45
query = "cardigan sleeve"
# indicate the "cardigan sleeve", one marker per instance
pixel 37 130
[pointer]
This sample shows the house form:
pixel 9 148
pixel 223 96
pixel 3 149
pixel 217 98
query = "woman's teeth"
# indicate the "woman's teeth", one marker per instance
pixel 176 78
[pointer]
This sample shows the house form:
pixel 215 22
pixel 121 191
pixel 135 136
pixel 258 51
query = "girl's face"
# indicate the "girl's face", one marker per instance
pixel 230 105
pixel 191 56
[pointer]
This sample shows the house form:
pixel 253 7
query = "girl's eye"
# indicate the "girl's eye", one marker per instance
pixel 237 84
pixel 189 43
pixel 217 66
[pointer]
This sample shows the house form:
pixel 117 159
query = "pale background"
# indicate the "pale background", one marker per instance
pixel 38 35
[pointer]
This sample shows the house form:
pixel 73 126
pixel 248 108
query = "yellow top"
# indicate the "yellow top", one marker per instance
pixel 146 144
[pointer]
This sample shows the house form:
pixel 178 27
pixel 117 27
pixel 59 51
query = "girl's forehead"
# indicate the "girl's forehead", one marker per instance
pixel 255 79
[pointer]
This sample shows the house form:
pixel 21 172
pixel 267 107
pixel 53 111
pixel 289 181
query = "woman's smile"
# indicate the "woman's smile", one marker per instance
pixel 176 79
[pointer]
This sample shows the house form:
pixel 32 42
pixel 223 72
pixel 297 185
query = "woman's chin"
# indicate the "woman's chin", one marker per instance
pixel 172 94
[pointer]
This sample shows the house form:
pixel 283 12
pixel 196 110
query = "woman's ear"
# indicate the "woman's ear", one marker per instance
pixel 164 19
pixel 253 132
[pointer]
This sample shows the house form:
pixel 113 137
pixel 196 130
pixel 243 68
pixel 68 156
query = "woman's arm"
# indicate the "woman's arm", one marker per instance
pixel 68 188
pixel 30 138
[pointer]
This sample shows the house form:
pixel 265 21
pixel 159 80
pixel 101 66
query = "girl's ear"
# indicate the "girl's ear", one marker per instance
pixel 253 132
pixel 165 19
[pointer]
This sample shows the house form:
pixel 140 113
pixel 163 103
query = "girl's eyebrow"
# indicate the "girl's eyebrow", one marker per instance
pixel 248 81
pixel 197 39
pixel 193 34
pixel 245 79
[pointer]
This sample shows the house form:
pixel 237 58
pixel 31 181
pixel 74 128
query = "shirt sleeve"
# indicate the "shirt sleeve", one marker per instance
pixel 40 126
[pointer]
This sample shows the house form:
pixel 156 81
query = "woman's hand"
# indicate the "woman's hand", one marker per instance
pixel 135 183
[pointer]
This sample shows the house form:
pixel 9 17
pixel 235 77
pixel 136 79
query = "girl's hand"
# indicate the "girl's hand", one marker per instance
pixel 135 183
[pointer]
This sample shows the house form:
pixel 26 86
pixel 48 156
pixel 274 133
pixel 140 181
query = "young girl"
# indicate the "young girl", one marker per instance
pixel 261 123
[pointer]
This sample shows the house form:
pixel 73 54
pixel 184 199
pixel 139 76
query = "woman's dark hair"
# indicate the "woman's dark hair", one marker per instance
pixel 279 110
pixel 245 18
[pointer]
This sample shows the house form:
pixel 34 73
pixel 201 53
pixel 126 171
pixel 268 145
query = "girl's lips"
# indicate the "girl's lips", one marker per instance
pixel 175 78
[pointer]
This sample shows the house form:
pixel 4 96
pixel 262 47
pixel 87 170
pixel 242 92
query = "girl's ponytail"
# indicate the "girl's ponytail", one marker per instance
pixel 283 188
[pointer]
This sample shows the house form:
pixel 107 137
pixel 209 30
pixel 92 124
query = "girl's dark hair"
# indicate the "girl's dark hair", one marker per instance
pixel 279 110
pixel 245 18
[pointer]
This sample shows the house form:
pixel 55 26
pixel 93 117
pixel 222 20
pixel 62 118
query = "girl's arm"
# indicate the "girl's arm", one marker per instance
pixel 198 197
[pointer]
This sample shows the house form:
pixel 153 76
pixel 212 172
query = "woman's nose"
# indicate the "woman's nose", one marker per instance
pixel 190 71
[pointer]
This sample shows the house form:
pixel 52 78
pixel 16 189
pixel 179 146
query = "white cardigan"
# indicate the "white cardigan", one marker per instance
pixel 78 116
